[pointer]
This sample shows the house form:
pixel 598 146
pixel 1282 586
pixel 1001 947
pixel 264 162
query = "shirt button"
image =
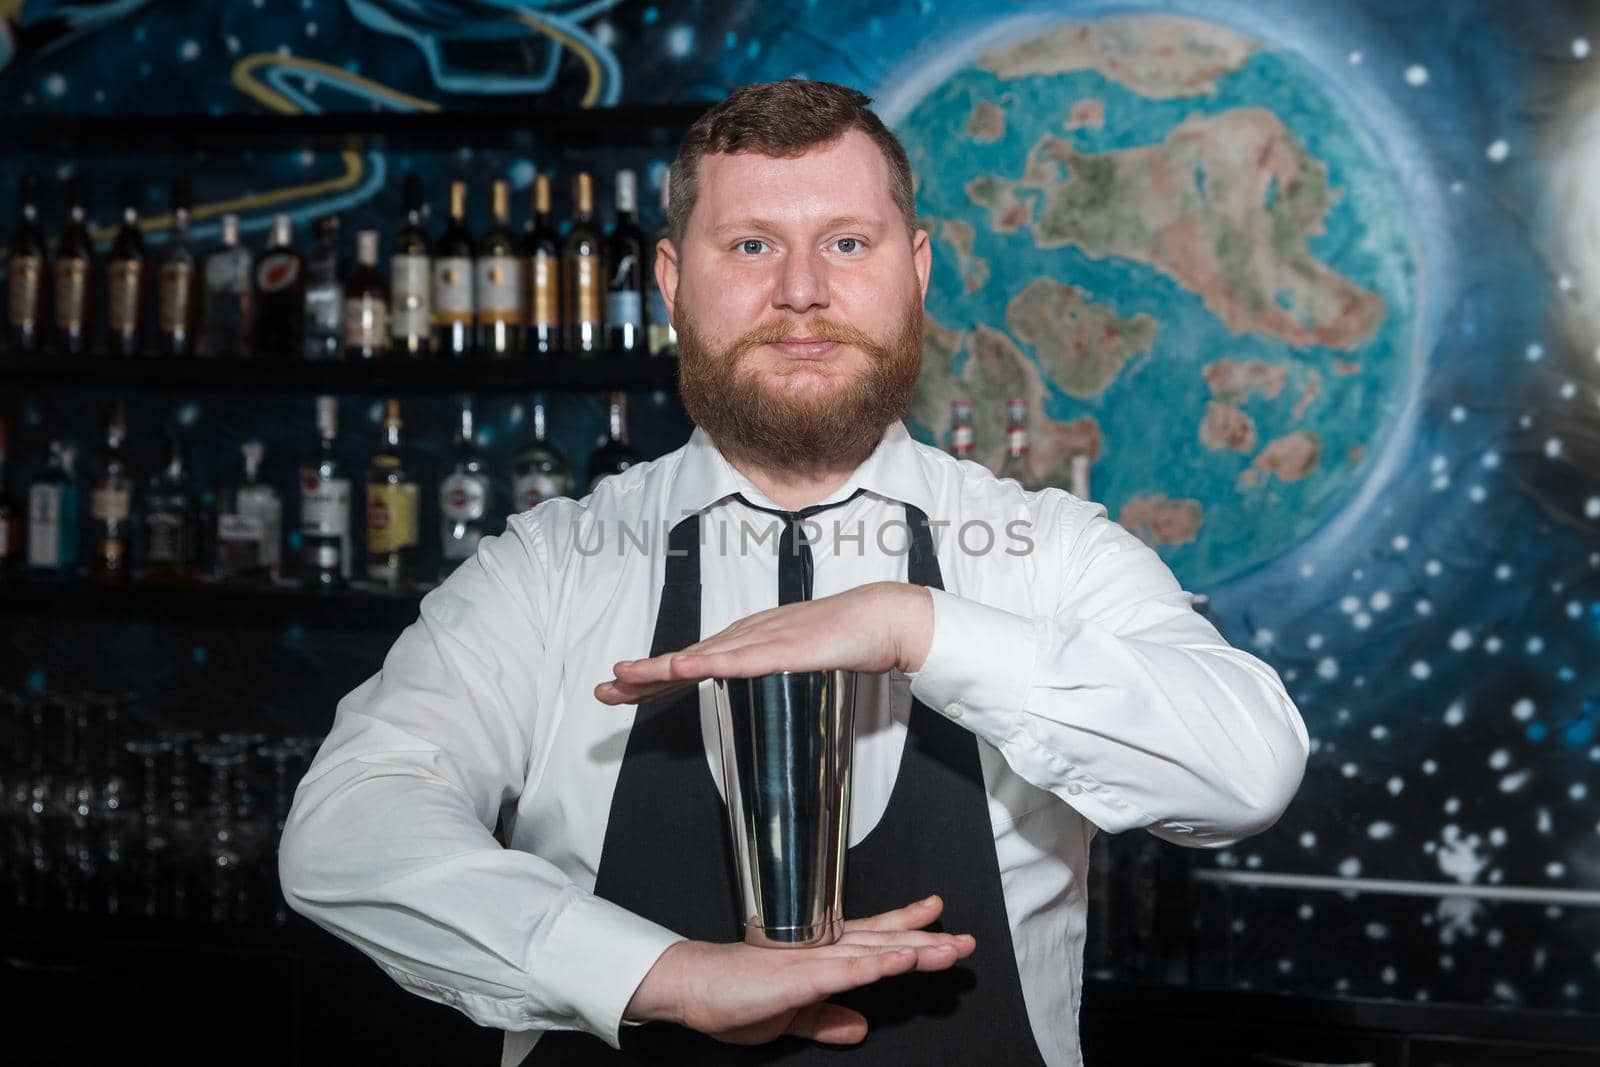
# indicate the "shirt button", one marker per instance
pixel 1074 789
pixel 955 711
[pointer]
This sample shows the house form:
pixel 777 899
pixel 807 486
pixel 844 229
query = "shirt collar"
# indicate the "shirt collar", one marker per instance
pixel 893 471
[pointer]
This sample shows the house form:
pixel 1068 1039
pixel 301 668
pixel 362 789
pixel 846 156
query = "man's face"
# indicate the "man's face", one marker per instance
pixel 797 296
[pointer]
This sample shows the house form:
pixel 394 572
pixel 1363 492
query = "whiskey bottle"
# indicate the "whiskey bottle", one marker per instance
pixel 614 455
pixel 73 276
pixel 228 317
pixel 961 436
pixel 625 260
pixel 178 283
pixel 465 496
pixel 53 516
pixel 540 471
pixel 582 275
pixel 393 504
pixel 280 295
pixel 127 280
pixel 171 521
pixel 663 336
pixel 325 304
pixel 497 288
pixel 325 498
pixel 25 271
pixel 11 546
pixel 250 524
pixel 366 305
pixel 111 507
pixel 452 281
pixel 1016 465
pixel 541 271
pixel 410 280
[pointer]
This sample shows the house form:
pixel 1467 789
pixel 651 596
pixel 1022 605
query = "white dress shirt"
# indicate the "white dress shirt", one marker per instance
pixel 1099 696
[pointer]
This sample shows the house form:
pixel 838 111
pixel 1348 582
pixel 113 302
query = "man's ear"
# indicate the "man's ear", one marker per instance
pixel 922 256
pixel 667 276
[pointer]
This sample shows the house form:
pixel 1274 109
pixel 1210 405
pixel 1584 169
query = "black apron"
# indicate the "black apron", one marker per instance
pixel 668 856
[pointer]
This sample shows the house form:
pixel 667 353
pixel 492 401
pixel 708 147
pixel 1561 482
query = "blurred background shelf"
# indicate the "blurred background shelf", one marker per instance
pixel 209 602
pixel 557 373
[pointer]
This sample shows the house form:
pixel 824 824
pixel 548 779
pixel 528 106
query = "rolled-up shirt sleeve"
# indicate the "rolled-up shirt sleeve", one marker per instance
pixel 1118 697
pixel 390 845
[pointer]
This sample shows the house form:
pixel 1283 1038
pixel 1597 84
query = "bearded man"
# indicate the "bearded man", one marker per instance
pixel 1013 700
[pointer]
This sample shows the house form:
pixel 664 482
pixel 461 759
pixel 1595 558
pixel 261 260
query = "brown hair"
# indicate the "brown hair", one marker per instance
pixel 782 120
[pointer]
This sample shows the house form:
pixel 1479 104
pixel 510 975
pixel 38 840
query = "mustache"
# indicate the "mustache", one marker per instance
pixel 771 333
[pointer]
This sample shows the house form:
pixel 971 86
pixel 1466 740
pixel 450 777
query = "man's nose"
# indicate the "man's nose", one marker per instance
pixel 803 283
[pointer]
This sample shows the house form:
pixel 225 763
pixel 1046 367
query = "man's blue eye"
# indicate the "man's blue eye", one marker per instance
pixel 746 246
pixel 843 241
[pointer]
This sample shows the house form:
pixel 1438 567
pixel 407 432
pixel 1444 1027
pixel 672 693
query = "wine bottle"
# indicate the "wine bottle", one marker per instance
pixel 582 275
pixel 452 281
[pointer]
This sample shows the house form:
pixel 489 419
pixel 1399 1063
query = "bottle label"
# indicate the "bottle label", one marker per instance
pixel 499 289
pixel 625 308
pixel 411 313
pixel 324 506
pixel 585 289
pixel 463 498
pixel 167 539
pixel 325 306
pixel 528 490
pixel 176 296
pixel 452 290
pixel 366 322
pixel 123 294
pixel 110 503
pixel 72 284
pixel 22 308
pixel 1017 442
pixel 44 526
pixel 240 529
pixel 277 271
pixel 544 305
pixel 259 506
pixel 392 516
pixel 228 271
pixel 961 441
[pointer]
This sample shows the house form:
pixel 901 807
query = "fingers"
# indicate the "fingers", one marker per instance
pixel 831 1024
pixel 911 917
pixel 964 943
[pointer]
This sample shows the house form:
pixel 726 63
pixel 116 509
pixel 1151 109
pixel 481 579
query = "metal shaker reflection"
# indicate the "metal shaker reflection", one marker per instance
pixel 786 743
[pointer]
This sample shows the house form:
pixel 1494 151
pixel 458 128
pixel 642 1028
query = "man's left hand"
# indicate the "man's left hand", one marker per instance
pixel 871 628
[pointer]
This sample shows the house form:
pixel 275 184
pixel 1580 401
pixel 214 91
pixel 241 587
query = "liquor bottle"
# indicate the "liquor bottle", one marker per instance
pixel 325 497
pixel 53 516
pixel 614 455
pixel 324 307
pixel 465 496
pixel 74 276
pixel 452 281
pixel 663 336
pixel 625 260
pixel 366 304
pixel 497 287
pixel 961 436
pixel 582 275
pixel 111 507
pixel 541 271
pixel 393 503
pixel 228 318
pixel 280 295
pixel 250 524
pixel 1016 466
pixel 1078 476
pixel 25 267
pixel 171 521
pixel 127 280
pixel 410 280
pixel 10 514
pixel 178 284
pixel 540 471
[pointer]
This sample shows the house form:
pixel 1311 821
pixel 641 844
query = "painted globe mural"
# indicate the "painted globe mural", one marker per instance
pixel 1190 258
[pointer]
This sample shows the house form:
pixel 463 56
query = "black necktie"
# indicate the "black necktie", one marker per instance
pixel 795 566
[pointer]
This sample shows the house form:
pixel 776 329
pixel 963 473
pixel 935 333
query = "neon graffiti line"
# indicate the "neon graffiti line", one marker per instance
pixel 243 80
pixel 580 44
pixel 1583 898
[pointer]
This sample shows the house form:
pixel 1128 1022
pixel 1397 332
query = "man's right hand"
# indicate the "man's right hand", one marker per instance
pixel 746 995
